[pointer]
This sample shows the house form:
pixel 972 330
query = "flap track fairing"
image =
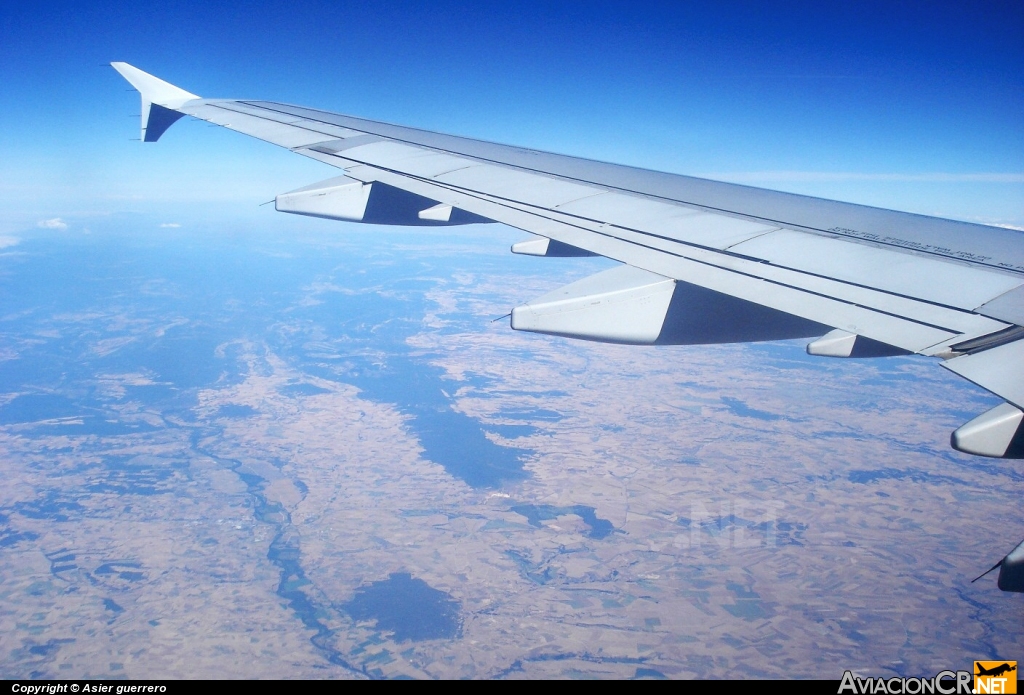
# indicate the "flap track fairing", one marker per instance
pixel 633 306
pixel 840 343
pixel 344 198
pixel 997 433
pixel 548 248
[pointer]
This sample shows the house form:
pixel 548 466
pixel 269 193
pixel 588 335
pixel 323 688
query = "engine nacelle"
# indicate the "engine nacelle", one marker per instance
pixel 344 198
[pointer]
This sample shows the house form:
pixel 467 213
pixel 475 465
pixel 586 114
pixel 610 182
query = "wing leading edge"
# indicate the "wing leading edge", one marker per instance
pixel 705 261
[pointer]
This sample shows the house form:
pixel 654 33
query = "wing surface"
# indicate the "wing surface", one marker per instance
pixel 895 281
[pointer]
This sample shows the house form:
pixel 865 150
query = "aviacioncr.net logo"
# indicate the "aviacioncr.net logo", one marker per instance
pixel 944 683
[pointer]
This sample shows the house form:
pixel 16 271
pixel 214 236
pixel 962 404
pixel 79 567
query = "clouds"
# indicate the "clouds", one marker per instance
pixel 6 241
pixel 169 225
pixel 55 223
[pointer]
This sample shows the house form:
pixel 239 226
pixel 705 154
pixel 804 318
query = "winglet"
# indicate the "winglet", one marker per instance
pixel 160 100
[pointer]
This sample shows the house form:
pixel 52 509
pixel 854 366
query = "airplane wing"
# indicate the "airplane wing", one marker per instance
pixel 703 261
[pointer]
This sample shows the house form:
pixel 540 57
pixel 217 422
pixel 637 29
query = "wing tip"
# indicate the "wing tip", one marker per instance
pixel 160 100
pixel 152 88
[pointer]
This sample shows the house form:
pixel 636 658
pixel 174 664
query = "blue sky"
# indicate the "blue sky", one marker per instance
pixel 911 105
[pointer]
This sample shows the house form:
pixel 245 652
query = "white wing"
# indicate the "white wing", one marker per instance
pixel 705 261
